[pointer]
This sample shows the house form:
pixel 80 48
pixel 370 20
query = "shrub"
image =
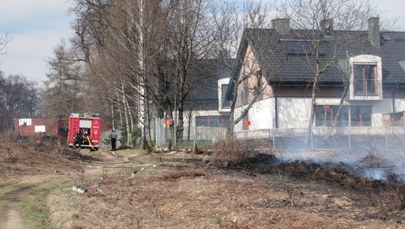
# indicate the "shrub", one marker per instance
pixel 231 152
pixel 151 146
pixel 170 145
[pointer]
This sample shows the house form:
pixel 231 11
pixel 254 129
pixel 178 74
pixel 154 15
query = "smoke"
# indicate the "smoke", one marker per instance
pixel 367 160
pixel 374 173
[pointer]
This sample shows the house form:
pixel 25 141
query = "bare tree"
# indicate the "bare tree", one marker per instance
pixel 4 40
pixel 18 99
pixel 315 23
pixel 230 19
pixel 148 52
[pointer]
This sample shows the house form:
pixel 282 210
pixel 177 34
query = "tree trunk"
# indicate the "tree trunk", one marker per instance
pixel 180 125
pixel 313 107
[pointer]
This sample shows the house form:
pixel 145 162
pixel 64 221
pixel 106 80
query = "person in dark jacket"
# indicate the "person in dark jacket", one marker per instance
pixel 78 139
pixel 113 140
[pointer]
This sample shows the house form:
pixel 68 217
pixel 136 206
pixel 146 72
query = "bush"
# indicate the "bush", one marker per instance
pixel 231 152
pixel 151 146
pixel 170 145
pixel 135 138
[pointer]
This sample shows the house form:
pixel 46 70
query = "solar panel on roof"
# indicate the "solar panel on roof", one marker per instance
pixel 298 47
pixel 302 48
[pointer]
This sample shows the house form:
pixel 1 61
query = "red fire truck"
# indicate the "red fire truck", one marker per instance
pixel 89 128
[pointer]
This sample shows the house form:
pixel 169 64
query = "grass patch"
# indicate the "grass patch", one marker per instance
pixel 34 210
pixel 199 143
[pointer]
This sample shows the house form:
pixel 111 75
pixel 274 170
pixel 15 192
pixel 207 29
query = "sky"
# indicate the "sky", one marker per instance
pixel 37 26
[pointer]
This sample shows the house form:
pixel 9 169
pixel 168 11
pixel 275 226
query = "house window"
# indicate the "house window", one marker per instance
pixel 360 115
pixel 212 121
pixel 223 104
pixel 226 104
pixel 326 115
pixel 365 80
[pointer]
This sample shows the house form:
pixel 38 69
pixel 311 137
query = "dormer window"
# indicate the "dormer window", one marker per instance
pixel 366 78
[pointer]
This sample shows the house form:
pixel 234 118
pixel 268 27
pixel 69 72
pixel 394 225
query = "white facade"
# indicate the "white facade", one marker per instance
pixel 295 112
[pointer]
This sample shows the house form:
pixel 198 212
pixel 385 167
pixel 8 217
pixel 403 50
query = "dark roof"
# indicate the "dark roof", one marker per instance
pixel 283 59
pixel 392 52
pixel 204 95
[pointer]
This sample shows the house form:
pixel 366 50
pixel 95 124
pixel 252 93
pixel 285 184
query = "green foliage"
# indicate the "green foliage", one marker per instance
pixel 136 135
pixel 123 137
pixel 106 141
pixel 151 146
pixel 35 210
pixel 170 145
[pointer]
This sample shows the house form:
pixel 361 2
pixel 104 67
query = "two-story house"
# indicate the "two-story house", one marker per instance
pixel 363 79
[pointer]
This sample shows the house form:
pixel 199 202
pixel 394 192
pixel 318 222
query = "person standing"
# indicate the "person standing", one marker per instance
pixel 78 139
pixel 113 140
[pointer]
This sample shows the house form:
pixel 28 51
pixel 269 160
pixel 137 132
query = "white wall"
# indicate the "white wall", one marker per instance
pixel 295 112
pixel 399 105
pixel 261 115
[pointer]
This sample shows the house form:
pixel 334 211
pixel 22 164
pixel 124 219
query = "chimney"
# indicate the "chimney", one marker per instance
pixel 327 26
pixel 282 25
pixel 374 31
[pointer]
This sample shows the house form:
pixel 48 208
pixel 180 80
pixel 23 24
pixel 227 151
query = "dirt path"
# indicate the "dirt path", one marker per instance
pixel 14 192
pixel 9 217
pixel 14 221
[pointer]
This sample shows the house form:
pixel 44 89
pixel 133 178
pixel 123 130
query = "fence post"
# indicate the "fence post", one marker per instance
pixel 195 133
pixel 312 140
pixel 386 139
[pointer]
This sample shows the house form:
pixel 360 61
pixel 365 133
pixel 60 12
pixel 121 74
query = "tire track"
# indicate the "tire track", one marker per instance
pixel 10 218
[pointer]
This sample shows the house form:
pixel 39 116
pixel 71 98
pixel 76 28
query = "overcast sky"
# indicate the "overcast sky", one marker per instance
pixel 37 26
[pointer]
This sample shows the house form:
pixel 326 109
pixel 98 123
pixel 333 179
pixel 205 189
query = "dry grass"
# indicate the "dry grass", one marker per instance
pixel 7 136
pixel 181 191
pixel 183 195
pixel 231 152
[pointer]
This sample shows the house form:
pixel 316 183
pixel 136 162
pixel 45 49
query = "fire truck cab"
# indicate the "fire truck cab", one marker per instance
pixel 88 127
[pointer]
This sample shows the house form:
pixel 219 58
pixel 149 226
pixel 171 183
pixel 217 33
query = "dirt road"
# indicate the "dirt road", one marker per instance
pixel 9 217
pixel 23 198
pixel 15 194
